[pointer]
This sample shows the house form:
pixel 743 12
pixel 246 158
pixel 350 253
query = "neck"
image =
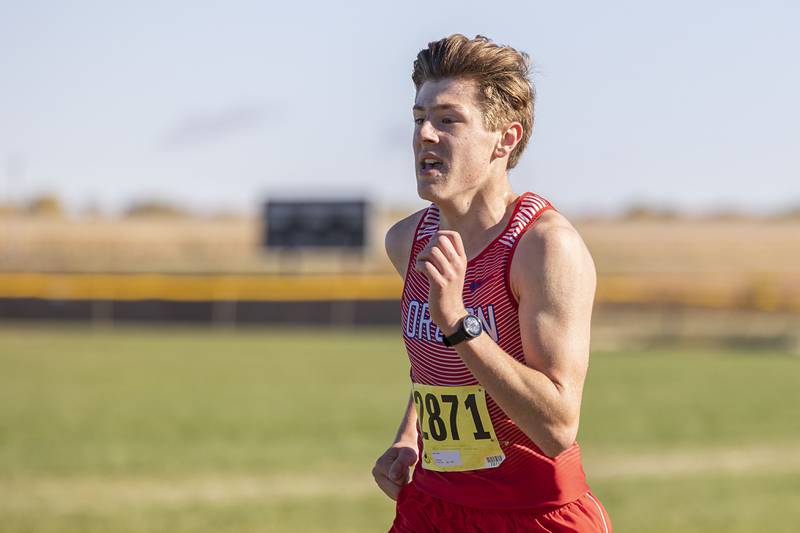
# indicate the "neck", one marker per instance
pixel 478 216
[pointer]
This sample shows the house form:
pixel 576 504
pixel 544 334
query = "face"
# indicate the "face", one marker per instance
pixel 452 148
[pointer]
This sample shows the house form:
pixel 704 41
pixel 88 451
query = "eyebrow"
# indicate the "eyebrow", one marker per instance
pixel 455 107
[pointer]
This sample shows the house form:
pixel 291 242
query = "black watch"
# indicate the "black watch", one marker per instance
pixel 468 328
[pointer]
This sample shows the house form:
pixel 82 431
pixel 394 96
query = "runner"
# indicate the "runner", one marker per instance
pixel 496 312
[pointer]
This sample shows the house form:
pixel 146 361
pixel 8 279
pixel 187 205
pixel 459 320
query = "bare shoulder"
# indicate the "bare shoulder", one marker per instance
pixel 551 255
pixel 398 241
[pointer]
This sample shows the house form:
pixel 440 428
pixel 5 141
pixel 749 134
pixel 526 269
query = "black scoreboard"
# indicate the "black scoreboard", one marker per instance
pixel 315 224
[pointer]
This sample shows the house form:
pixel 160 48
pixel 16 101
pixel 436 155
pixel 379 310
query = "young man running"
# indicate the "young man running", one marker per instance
pixel 496 312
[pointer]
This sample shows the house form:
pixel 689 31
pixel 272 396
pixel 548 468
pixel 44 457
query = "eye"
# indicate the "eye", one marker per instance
pixel 448 120
pixel 418 121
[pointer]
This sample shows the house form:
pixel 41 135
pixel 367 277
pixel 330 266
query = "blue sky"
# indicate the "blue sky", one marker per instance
pixel 221 105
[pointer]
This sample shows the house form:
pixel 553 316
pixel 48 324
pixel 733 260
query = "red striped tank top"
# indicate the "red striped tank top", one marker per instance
pixel 526 479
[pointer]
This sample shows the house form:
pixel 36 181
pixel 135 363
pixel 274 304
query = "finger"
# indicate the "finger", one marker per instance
pixel 423 256
pixel 433 275
pixel 456 262
pixel 443 244
pixel 455 238
pixel 382 479
pixel 408 455
pixel 434 258
pixel 405 476
pixel 385 461
pixel 390 486
pixel 448 248
pixel 400 469
pixel 397 470
pixel 388 471
pixel 440 261
pixel 419 265
pixel 426 252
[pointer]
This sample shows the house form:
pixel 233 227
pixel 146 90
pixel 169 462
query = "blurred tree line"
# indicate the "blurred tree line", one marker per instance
pixel 50 205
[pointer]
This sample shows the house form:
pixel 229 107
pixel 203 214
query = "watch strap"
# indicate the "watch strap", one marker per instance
pixel 460 335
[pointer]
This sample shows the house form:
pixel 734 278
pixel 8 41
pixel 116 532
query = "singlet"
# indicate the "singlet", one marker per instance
pixel 526 478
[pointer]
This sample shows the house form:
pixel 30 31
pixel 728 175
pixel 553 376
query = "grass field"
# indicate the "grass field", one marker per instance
pixel 179 430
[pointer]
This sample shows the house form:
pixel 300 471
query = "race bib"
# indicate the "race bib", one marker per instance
pixel 457 432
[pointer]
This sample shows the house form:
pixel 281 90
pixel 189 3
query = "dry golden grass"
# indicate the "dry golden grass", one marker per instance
pixel 168 244
pixel 719 248
pixel 738 263
pixel 694 246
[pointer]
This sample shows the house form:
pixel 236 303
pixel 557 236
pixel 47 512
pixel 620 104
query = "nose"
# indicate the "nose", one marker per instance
pixel 427 133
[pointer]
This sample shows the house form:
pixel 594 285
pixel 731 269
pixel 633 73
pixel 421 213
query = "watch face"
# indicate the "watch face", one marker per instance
pixel 472 325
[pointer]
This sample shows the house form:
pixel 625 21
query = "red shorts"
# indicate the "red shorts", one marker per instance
pixel 417 512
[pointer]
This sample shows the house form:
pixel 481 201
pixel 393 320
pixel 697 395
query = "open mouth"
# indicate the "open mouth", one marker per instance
pixel 431 164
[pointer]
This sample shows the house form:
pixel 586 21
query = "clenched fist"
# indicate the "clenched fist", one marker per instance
pixel 444 263
pixel 391 471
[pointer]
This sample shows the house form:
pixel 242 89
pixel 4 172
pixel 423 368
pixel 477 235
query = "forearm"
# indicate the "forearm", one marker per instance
pixel 407 432
pixel 392 469
pixel 545 411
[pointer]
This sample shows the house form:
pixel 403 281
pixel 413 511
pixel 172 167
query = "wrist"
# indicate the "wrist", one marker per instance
pixel 468 327
pixel 406 435
pixel 451 323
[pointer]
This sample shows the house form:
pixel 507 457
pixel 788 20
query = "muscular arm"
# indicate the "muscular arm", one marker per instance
pixel 553 277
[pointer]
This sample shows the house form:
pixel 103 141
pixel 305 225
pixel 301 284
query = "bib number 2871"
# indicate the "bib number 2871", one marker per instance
pixel 456 429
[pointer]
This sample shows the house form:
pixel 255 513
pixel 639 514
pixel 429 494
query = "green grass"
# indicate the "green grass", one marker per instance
pixel 180 429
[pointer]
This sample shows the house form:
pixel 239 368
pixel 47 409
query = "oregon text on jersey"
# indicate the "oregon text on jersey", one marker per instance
pixel 419 325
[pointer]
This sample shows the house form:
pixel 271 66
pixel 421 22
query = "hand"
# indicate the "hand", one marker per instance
pixel 444 262
pixel 391 471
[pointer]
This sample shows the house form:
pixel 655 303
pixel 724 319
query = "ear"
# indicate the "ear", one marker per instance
pixel 509 138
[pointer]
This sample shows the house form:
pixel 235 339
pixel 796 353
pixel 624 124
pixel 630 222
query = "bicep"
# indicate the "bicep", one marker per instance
pixel 556 285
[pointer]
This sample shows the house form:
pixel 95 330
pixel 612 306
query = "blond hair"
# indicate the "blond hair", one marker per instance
pixel 502 75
